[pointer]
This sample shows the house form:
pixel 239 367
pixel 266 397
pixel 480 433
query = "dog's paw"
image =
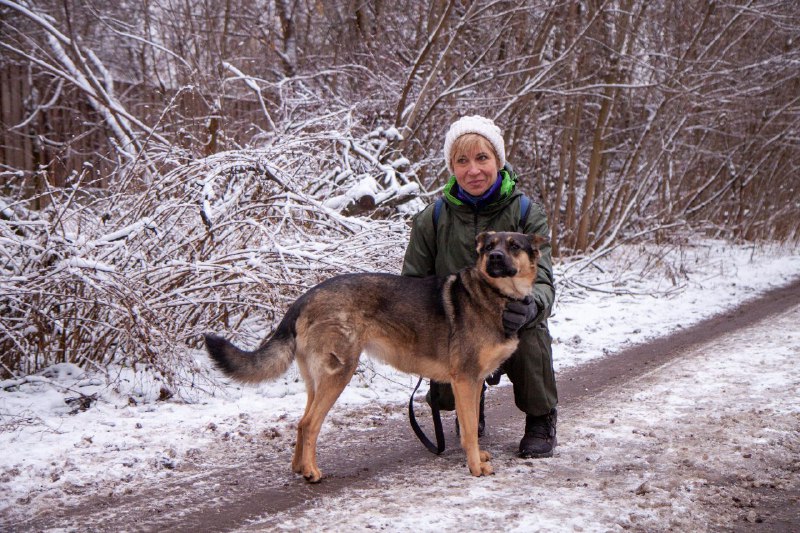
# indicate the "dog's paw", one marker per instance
pixel 297 467
pixel 312 475
pixel 484 468
pixel 485 456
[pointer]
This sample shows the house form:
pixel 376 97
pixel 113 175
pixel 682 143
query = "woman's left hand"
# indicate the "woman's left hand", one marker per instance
pixel 518 313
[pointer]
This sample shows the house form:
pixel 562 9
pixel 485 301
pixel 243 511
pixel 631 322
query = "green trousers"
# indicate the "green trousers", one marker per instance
pixel 530 370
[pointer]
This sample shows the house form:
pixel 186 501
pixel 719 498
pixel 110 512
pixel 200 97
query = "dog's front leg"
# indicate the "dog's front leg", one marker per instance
pixel 467 395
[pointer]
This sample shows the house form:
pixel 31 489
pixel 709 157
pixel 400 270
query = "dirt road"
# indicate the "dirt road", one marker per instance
pixel 241 483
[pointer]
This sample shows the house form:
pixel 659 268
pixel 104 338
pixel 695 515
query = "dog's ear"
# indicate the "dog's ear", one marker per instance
pixel 481 239
pixel 537 240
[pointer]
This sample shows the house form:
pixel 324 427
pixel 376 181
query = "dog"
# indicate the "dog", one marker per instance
pixel 449 329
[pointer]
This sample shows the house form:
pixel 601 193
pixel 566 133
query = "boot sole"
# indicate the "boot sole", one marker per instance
pixel 545 455
pixel 536 455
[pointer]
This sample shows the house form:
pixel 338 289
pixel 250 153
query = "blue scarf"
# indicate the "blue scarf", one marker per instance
pixel 479 202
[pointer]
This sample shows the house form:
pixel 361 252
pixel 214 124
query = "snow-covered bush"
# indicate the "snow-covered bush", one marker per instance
pixel 135 275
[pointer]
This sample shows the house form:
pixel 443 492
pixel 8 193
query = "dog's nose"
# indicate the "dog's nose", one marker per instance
pixel 496 256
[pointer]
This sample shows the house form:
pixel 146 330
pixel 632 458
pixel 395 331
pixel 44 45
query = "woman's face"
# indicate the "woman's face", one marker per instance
pixel 474 164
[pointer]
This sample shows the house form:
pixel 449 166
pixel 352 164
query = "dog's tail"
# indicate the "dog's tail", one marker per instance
pixel 265 363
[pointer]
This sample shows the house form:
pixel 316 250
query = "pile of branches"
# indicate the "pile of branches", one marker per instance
pixel 136 274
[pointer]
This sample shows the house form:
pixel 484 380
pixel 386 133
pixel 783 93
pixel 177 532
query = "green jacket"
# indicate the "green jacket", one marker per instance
pixel 450 246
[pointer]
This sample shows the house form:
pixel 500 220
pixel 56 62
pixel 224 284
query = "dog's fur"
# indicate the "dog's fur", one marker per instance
pixel 449 329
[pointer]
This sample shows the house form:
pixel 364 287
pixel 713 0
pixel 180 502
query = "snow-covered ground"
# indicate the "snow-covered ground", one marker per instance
pixel 681 449
pixel 632 460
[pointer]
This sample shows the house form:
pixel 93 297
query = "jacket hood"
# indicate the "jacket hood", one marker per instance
pixel 508 185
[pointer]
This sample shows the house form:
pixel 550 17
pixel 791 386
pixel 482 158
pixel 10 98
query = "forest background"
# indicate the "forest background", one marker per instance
pixel 169 168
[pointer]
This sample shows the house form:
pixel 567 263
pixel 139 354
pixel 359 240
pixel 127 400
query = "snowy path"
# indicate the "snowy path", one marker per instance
pixel 708 440
pixel 221 462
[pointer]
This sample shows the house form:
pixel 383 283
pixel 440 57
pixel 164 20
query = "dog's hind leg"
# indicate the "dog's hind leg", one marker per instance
pixel 467 407
pixel 302 366
pixel 329 382
pixel 297 459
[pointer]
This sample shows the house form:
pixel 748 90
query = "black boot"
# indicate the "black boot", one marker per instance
pixel 481 418
pixel 540 436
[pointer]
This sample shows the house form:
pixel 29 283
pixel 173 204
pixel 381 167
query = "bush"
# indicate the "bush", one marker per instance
pixel 136 274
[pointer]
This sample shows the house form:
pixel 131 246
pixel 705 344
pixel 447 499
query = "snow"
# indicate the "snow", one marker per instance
pixel 637 461
pixel 642 457
pixel 127 231
pixel 711 277
pixel 77 262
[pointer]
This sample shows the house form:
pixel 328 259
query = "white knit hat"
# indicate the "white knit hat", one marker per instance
pixel 475 124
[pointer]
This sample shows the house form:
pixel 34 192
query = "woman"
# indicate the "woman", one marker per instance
pixel 481 195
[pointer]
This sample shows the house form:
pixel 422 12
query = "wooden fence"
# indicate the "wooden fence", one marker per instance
pixel 49 131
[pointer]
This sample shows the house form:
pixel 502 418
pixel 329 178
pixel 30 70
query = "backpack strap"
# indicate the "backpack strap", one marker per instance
pixel 524 211
pixel 437 210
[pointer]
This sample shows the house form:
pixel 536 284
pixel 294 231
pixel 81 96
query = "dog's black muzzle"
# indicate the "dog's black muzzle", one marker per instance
pixel 498 265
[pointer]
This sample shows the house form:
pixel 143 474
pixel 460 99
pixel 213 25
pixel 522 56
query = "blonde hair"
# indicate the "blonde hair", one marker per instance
pixel 468 142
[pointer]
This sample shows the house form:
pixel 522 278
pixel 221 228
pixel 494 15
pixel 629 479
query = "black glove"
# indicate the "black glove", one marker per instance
pixel 518 313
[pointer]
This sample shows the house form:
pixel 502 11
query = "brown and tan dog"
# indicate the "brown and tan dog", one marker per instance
pixel 449 329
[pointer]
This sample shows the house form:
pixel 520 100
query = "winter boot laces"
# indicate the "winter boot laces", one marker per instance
pixel 540 436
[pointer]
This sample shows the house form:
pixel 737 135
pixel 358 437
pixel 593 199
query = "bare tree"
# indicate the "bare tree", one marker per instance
pixel 150 150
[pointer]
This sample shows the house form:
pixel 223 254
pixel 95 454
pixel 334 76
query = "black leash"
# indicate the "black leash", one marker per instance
pixel 437 448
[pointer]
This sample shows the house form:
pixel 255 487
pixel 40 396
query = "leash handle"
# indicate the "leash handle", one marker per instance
pixel 437 448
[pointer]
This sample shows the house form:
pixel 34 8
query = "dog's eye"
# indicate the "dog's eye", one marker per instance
pixel 514 246
pixel 488 247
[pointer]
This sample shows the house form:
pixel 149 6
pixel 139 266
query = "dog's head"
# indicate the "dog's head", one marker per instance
pixel 508 260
